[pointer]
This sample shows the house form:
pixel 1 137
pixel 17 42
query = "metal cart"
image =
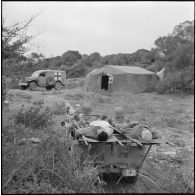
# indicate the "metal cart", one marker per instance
pixel 119 155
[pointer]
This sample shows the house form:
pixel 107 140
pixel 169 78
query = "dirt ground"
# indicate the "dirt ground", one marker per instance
pixel 172 116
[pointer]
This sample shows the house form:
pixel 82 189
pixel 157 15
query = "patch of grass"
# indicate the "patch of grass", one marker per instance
pixel 142 117
pixel 170 122
pixel 168 171
pixel 191 127
pixel 75 83
pixel 22 95
pixel 179 110
pixel 131 110
pixel 102 99
pixel 75 96
pixel 59 108
pixel 56 92
pixel 39 103
pixel 175 179
pixel 13 84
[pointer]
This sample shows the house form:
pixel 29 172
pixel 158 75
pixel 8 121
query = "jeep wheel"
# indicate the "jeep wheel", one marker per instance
pixel 58 85
pixel 49 87
pixel 32 85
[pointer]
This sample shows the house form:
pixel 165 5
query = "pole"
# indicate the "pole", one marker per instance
pixel 145 156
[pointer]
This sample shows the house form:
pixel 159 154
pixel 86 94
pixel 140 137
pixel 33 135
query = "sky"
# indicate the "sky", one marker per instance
pixel 104 27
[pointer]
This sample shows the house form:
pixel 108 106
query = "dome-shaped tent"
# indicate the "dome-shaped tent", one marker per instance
pixel 113 78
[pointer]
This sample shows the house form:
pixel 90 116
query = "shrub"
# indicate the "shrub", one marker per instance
pixel 36 116
pixel 178 82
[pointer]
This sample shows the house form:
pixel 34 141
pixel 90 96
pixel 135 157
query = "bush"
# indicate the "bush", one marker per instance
pixel 178 82
pixel 36 116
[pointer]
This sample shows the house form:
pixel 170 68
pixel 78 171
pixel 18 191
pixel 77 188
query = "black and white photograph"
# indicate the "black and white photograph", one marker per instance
pixel 97 97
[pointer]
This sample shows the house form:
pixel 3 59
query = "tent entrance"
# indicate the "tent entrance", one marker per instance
pixel 104 83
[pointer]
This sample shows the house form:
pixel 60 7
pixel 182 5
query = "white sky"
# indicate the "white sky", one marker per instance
pixel 104 27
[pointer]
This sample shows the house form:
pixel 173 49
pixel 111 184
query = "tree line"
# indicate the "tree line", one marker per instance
pixel 175 52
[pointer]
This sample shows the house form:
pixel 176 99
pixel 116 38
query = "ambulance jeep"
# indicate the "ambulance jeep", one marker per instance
pixel 44 78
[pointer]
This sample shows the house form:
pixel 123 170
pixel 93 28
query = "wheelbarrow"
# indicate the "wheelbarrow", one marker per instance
pixel 119 155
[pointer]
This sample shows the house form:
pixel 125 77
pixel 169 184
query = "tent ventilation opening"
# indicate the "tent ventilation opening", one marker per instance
pixel 104 84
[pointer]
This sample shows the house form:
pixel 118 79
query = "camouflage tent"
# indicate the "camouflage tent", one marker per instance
pixel 113 78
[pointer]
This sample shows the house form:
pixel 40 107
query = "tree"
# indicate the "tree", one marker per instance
pixel 15 38
pixel 70 57
pixel 177 47
pixel 92 59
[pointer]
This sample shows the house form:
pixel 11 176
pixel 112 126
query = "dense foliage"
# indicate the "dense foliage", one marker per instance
pixel 175 52
pixel 178 82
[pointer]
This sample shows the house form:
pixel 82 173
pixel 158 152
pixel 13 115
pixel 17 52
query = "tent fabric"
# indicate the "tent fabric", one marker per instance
pixel 133 69
pixel 112 69
pixel 125 79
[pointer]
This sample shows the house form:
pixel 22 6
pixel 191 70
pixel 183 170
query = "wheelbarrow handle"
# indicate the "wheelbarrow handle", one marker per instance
pixel 83 137
pixel 118 141
pixel 134 140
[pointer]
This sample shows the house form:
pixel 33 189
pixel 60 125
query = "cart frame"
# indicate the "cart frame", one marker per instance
pixel 120 165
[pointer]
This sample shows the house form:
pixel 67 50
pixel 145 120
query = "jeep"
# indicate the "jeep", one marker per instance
pixel 44 78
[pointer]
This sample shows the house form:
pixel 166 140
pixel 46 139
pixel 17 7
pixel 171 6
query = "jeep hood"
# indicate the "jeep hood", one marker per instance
pixel 30 78
pixel 27 79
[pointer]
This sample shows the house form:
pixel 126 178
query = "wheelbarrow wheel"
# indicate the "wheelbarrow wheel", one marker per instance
pixel 131 179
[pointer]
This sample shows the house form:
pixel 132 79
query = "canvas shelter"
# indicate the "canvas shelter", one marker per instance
pixel 114 78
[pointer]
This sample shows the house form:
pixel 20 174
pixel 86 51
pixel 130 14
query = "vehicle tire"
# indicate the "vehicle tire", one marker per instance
pixel 49 87
pixel 32 85
pixel 23 87
pixel 50 81
pixel 58 85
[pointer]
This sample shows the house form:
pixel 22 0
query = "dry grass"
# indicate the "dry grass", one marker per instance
pixel 59 108
pixel 170 115
pixel 179 110
pixel 170 122
pixel 47 167
pixel 37 116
